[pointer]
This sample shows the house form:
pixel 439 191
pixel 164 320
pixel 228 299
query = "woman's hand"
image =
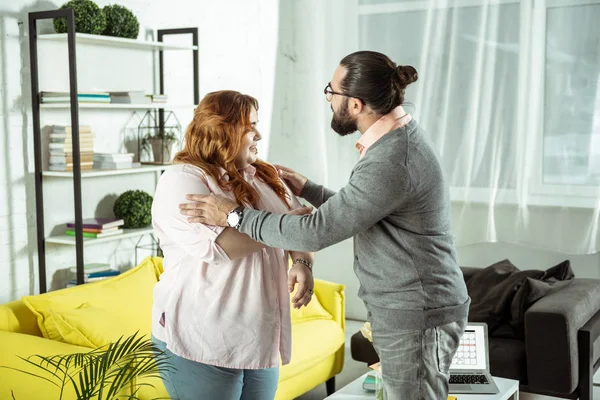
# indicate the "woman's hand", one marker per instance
pixel 302 275
pixel 294 180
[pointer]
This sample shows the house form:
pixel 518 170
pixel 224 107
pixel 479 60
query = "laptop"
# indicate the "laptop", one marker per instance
pixel 470 368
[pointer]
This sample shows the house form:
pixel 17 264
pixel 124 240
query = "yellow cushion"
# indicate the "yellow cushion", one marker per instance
pixel 307 351
pixel 61 314
pixel 24 386
pixel 313 311
pixel 74 326
pixel 16 317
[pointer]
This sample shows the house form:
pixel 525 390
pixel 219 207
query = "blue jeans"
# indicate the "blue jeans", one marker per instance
pixel 197 381
pixel 415 363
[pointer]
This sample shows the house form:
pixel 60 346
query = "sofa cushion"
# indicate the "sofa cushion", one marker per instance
pixel 312 342
pixel 508 359
pixel 91 326
pixel 126 297
pixel 24 386
pixel 16 317
pixel 313 310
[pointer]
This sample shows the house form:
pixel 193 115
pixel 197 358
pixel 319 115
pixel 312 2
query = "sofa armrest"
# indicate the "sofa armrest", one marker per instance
pixel 333 298
pixel 551 331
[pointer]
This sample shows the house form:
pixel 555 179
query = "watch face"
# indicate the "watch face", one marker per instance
pixel 233 219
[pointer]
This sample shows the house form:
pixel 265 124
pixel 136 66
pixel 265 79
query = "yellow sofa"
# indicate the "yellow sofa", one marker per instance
pixel 77 319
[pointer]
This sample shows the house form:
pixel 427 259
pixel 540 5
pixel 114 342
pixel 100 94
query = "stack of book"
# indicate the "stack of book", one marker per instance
pixel 131 97
pixel 159 98
pixel 113 160
pixel 64 97
pixel 97 227
pixel 93 272
pixel 60 148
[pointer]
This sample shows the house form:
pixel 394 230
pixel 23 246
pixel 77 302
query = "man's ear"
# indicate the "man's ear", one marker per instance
pixel 356 106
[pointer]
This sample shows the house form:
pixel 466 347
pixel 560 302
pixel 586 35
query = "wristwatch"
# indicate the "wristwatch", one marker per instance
pixel 234 217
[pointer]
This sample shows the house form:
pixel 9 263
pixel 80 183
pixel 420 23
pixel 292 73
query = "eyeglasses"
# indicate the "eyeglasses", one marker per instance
pixel 328 91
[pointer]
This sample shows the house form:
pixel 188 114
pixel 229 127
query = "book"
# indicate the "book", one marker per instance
pixel 131 97
pixel 93 230
pixel 99 223
pixel 68 129
pixel 71 232
pixel 92 267
pixel 113 165
pixel 68 159
pixel 370 383
pixel 69 168
pixel 66 94
pixel 113 156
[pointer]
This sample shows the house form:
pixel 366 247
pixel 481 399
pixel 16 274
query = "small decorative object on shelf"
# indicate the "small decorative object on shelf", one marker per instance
pixel 157 141
pixel 89 18
pixel 120 22
pixel 135 208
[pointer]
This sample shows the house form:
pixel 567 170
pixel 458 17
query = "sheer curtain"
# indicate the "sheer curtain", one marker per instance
pixel 508 92
pixel 509 96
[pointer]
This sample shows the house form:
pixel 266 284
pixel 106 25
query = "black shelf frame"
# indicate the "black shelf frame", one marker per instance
pixel 69 14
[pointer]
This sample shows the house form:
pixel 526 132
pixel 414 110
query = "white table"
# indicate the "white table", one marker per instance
pixel 508 389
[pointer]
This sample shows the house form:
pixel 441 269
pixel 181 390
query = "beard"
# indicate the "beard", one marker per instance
pixel 342 122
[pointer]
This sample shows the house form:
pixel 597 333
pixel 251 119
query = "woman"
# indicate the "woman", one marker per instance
pixel 221 308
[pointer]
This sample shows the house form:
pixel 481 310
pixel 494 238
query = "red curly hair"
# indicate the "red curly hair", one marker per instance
pixel 213 139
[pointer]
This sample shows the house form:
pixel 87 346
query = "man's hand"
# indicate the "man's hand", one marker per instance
pixel 302 275
pixel 207 209
pixel 294 180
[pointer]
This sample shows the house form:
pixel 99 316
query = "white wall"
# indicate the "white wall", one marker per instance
pixel 237 48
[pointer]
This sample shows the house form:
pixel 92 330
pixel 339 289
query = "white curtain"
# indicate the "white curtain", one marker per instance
pixel 509 95
pixel 508 92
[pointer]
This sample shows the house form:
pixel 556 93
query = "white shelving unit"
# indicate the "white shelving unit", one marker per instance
pixel 85 38
pixel 153 106
pixel 109 172
pixel 72 41
pixel 70 240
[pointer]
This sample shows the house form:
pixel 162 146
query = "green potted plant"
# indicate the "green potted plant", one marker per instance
pixel 106 373
pixel 161 145
pixel 120 22
pixel 135 208
pixel 89 18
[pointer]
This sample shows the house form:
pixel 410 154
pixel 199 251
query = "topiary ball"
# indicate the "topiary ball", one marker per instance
pixel 135 208
pixel 120 22
pixel 89 18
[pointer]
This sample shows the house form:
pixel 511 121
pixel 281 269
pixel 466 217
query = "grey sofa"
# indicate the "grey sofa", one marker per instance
pixel 560 352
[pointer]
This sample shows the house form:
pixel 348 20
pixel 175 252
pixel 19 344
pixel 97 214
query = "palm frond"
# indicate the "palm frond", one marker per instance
pixel 107 372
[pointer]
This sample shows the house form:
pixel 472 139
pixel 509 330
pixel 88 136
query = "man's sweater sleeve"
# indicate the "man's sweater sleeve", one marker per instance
pixel 374 191
pixel 315 194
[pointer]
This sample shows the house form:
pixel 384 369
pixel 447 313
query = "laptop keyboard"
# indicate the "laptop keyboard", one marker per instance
pixel 469 379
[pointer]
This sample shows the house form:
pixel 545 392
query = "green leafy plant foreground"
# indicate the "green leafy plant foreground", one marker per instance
pixel 105 373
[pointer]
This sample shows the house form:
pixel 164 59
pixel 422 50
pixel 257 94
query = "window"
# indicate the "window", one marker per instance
pixel 510 91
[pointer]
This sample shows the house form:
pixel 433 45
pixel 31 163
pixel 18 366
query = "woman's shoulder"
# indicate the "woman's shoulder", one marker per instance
pixel 189 170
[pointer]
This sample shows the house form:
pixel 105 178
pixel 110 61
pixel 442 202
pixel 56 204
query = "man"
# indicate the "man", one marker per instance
pixel 396 205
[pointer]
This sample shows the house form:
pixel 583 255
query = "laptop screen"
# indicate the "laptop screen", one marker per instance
pixel 471 351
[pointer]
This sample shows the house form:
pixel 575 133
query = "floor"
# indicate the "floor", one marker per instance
pixel 354 369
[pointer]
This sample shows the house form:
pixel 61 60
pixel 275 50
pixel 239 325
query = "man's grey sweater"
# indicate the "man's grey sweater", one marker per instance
pixel 396 205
